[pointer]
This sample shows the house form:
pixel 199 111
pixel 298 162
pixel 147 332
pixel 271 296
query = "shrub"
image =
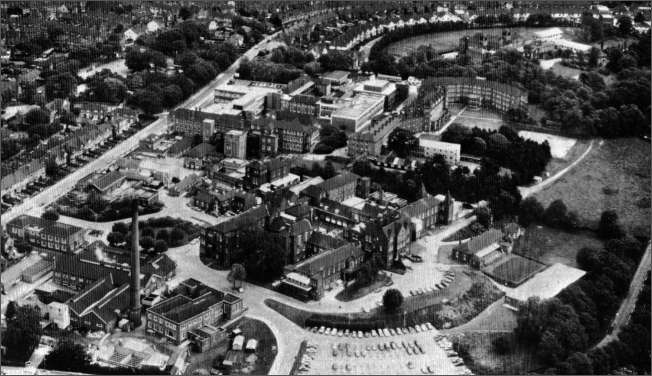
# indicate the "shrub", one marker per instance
pixel 392 300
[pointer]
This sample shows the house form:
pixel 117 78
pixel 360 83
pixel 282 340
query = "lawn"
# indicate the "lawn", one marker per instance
pixel 464 233
pixel 355 291
pixel 557 164
pixel 483 359
pixel 513 270
pixel 550 245
pixel 258 363
pixel 469 294
pixel 614 176
pixel 450 40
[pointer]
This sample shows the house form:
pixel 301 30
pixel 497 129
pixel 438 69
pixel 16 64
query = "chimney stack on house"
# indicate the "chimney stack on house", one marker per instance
pixel 135 309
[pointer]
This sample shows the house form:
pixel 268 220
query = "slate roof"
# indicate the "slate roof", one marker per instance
pixel 202 150
pixel 477 243
pixel 102 182
pixel 324 241
pixel 338 181
pixel 420 206
pixel 323 260
pixel 244 219
pixel 91 294
pixel 299 211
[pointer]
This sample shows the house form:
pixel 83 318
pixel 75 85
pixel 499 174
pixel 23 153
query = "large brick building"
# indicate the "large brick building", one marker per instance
pixel 482 93
pixel 192 307
pixel 338 188
pixel 221 240
pixel 45 234
pixel 261 172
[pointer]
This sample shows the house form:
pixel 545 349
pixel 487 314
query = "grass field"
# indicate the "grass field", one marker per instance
pixel 550 245
pixel 614 176
pixel 448 40
pixel 513 269
pixel 557 164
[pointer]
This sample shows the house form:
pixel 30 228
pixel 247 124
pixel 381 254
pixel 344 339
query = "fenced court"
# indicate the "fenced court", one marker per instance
pixel 513 270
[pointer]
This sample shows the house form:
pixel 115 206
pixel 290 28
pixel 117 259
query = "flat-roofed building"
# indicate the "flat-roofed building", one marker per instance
pixel 380 87
pixel 548 34
pixel 193 306
pixel 355 113
pixel 336 78
pixel 369 139
pixel 247 96
pixel 491 94
pixel 429 147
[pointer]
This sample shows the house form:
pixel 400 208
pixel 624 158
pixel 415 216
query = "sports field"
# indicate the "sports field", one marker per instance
pixel 513 270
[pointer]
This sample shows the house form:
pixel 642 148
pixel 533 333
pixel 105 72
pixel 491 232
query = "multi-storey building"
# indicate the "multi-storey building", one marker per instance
pixel 428 212
pixel 356 112
pixel 310 278
pixel 261 172
pixel 221 240
pixel 293 236
pixel 481 92
pixel 369 140
pixel 193 307
pixel 379 87
pixel 235 144
pixel 45 234
pixel 338 188
pixel 429 147
pixel 190 122
pixel 294 137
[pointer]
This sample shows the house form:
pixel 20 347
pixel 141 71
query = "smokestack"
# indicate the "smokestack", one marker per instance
pixel 135 310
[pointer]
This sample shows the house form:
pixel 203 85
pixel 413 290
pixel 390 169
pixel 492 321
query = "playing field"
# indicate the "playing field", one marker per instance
pixel 514 270
pixel 449 40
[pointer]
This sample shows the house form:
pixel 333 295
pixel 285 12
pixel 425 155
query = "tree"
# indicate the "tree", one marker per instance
pixel 60 85
pixel 185 13
pixel 37 116
pixel 160 246
pixel 580 364
pixel 147 231
pixel 50 215
pixel 556 214
pixel 328 171
pixel 23 333
pixel 336 60
pixel 392 300
pixel 530 211
pixel 67 356
pixel 625 25
pixel 264 257
pixel 175 180
pixel 402 142
pixel 164 235
pixel 594 55
pixel 176 236
pixel 483 215
pixel 120 227
pixel 237 274
pixel 51 167
pixel 115 238
pixel 609 227
pixel 10 313
pixel 147 242
pixel 501 345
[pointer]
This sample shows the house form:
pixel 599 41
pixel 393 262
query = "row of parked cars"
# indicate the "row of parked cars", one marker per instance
pixel 374 332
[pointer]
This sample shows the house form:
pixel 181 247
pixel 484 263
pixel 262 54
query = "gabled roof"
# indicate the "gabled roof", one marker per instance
pixel 299 211
pixel 478 243
pixel 323 260
pixel 102 182
pixel 87 298
pixel 244 219
pixel 117 299
pixel 324 241
pixel 338 181
pixel 420 206
pixel 202 150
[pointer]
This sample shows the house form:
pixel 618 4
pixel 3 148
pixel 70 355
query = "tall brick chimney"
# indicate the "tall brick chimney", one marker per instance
pixel 134 306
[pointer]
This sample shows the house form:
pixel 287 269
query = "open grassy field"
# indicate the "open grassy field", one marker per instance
pixel 614 176
pixel 448 40
pixel 550 245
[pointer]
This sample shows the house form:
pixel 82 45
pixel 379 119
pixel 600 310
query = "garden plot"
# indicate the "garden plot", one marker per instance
pixel 559 146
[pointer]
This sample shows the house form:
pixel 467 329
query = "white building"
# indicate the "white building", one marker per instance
pixel 357 112
pixel 552 33
pixel 241 95
pixel 153 26
pixel 429 147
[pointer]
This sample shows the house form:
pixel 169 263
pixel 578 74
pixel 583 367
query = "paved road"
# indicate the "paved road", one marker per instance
pixel 204 95
pixel 629 303
pixel 528 191
pixel 288 335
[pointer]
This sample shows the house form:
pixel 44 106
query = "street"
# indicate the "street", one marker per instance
pixel 629 303
pixel 204 95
